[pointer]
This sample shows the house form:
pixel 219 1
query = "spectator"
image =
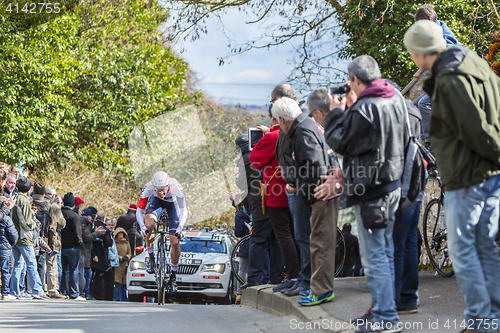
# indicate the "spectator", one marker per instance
pixel 9 189
pixel 263 157
pixel 124 255
pixel 23 251
pixel 100 258
pixel 371 135
pixel 129 223
pixel 42 231
pixel 54 221
pixel 79 202
pixel 300 213
pixel 351 251
pixel 15 171
pixel 311 158
pixel 242 225
pixel 423 102
pixel 40 247
pixel 8 238
pixel 464 135
pixel 248 179
pixel 72 245
pixel 89 236
pixel 114 261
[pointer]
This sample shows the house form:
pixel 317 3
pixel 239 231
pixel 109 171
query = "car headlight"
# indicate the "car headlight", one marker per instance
pixel 217 268
pixel 137 265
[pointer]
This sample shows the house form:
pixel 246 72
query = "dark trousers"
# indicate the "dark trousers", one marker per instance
pixel 405 237
pixel 97 284
pixel 282 224
pixel 109 284
pixel 262 231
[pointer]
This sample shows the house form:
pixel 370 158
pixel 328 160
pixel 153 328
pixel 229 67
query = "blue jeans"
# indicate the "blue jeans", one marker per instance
pixel 4 269
pixel 70 259
pixel 59 268
pixel 302 229
pixel 406 255
pixel 471 216
pixel 25 256
pixel 376 248
pixel 88 277
pixel 120 292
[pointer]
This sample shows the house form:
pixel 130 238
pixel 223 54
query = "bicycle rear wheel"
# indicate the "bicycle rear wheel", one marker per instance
pixel 435 238
pixel 339 252
pixel 235 264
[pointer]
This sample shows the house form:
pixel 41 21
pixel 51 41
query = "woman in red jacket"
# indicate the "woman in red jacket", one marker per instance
pixel 263 157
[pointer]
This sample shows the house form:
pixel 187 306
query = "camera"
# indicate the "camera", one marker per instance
pixel 340 90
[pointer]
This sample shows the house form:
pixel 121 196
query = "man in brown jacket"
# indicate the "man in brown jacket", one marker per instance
pixel 44 196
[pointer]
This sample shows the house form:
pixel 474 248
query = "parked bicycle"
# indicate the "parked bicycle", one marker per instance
pixel 435 234
pixel 339 255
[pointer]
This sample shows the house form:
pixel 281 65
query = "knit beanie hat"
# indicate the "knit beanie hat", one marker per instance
pixel 39 188
pixel 69 199
pixel 92 209
pixel 23 184
pixel 424 37
pixel 132 207
pixel 79 201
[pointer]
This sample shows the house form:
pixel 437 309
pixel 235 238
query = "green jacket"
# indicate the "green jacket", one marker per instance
pixel 23 221
pixel 464 124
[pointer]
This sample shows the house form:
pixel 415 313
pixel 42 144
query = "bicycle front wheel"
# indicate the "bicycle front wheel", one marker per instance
pixel 339 252
pixel 435 238
pixel 235 263
pixel 160 271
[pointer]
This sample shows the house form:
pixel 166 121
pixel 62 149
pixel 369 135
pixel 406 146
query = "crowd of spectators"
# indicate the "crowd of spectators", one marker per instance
pixel 50 250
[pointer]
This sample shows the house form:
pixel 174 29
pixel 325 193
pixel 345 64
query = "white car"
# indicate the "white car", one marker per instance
pixel 204 269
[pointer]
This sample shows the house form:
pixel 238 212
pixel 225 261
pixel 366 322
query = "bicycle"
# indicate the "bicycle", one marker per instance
pixel 162 269
pixel 339 255
pixel 435 234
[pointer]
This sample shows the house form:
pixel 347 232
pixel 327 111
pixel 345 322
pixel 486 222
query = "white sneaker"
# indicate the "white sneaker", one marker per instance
pixel 40 296
pixel 79 298
pixel 8 298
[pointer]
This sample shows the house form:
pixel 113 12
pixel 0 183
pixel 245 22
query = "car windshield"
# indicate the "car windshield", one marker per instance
pixel 200 245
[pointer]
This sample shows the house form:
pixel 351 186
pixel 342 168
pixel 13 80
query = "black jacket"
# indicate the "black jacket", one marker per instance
pixel 126 221
pixel 248 180
pixel 100 249
pixel 8 233
pixel 284 155
pixel 241 230
pixel 311 156
pixel 371 135
pixel 71 235
pixel 351 248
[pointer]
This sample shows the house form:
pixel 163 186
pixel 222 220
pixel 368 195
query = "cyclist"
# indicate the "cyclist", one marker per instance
pixel 163 192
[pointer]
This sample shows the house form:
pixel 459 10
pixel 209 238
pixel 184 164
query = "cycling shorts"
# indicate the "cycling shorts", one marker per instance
pixel 156 206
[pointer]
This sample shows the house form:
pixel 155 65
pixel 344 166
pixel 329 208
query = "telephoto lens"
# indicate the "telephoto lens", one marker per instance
pixel 340 90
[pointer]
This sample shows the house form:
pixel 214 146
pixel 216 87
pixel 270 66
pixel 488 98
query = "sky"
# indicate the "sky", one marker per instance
pixel 246 79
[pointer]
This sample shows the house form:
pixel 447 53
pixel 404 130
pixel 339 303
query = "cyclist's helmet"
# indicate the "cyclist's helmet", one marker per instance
pixel 160 180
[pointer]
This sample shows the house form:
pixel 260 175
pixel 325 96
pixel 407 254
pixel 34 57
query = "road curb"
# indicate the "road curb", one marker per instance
pixel 263 298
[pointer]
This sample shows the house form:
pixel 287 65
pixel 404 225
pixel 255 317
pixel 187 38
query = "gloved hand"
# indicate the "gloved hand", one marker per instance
pixel 125 259
pixel 179 234
pixel 145 231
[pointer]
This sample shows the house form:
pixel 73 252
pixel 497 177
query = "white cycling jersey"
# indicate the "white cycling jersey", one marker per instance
pixel 175 194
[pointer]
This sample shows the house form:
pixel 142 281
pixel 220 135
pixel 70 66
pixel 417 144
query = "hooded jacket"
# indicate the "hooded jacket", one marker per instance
pixel 57 222
pixel 123 249
pixel 8 234
pixel 371 135
pixel 263 157
pixel 465 124
pixel 22 218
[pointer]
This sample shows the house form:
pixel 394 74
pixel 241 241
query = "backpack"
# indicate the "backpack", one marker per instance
pixel 413 179
pixel 43 216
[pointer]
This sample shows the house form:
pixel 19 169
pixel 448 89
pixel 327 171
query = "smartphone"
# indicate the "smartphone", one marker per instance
pixel 254 135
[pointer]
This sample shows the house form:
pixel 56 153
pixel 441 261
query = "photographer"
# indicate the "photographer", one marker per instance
pixel 371 136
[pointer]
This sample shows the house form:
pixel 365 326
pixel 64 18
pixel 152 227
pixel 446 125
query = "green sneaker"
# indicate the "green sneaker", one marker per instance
pixel 315 300
pixel 305 293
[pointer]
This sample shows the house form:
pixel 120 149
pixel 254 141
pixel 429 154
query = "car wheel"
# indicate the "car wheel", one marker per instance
pixel 135 298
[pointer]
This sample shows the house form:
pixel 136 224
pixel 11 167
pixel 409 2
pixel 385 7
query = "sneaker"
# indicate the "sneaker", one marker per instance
pixel 24 296
pixel 40 296
pixel 79 298
pixel 8 298
pixel 173 283
pixel 294 286
pixel 305 293
pixel 150 266
pixel 287 284
pixel 295 291
pixel 362 320
pixel 57 296
pixel 406 308
pixel 315 300
pixel 389 328
pixel 238 299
